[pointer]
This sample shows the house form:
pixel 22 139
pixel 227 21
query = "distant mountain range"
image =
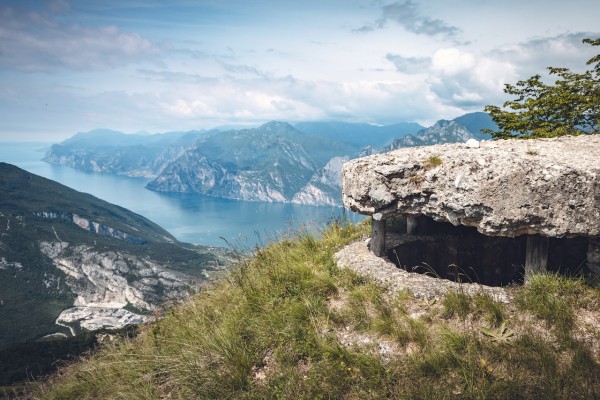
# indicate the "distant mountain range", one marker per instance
pixel 71 262
pixel 274 162
pixel 442 131
pixel 359 135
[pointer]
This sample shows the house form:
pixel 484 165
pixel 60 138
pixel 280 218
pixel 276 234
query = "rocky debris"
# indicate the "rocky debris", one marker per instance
pixel 548 187
pixel 95 318
pixel 357 257
pixel 4 264
pixel 114 279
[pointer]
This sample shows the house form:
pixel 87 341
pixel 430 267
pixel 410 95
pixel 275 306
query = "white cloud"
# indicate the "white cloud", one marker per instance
pixel 39 42
pixel 408 15
pixel 467 79
pixel 451 61
pixel 292 99
pixel 409 65
pixel 533 56
pixel 464 79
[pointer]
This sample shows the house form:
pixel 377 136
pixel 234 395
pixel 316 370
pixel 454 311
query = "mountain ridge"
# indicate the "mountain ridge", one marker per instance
pixel 275 162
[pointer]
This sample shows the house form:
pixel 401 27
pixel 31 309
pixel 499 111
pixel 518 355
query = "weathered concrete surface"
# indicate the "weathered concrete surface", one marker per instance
pixel 357 257
pixel 549 187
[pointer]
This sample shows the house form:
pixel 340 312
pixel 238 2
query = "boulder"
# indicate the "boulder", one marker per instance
pixel 546 187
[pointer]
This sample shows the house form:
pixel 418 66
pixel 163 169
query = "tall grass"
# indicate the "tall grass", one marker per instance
pixel 287 323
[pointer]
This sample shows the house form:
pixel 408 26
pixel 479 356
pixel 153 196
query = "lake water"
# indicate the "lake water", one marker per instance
pixel 191 218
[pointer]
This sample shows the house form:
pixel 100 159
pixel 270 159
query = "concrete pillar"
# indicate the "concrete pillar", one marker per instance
pixel 416 225
pixel 377 243
pixel 593 256
pixel 412 225
pixel 536 257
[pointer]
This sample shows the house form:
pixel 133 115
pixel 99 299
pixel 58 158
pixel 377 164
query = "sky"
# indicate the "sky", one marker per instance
pixel 159 66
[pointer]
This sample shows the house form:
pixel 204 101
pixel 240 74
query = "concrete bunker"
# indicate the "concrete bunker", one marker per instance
pixel 492 213
pixel 462 254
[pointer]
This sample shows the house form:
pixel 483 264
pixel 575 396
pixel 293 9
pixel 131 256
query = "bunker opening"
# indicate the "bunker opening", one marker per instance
pixel 462 254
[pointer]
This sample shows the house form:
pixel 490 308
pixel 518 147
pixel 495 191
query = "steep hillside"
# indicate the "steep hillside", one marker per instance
pixel 270 163
pixel 475 122
pixel 108 151
pixel 292 323
pixel 324 187
pixel 70 261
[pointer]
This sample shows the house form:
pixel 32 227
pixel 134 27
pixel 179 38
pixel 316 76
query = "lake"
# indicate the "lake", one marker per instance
pixel 190 217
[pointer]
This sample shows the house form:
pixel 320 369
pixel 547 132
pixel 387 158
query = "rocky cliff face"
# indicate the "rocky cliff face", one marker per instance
pixel 324 188
pixel 93 226
pixel 273 163
pixel 115 152
pixel 114 279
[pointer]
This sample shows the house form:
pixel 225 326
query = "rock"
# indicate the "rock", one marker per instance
pixel 95 318
pixel 114 279
pixel 472 143
pixel 549 187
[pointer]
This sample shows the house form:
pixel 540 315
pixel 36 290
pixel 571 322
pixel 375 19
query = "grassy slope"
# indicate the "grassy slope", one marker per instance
pixel 287 323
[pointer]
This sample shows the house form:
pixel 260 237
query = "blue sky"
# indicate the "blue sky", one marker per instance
pixel 157 66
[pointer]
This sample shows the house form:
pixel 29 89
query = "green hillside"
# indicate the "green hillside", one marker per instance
pixel 288 323
pixel 36 212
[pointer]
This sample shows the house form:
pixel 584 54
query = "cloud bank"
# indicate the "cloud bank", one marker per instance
pixel 36 41
pixel 141 65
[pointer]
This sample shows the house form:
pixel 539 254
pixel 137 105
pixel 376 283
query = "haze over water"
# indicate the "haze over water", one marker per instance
pixel 189 217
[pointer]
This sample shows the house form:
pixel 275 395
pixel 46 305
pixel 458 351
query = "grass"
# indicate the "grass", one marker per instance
pixel 288 323
pixel 555 299
pixel 432 162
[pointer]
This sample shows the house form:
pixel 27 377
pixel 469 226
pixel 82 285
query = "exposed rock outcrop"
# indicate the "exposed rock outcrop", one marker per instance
pixel 549 187
pixel 114 279
pixel 324 187
pixel 93 226
pixel 60 248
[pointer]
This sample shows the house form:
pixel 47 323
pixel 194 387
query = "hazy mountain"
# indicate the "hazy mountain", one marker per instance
pixel 70 261
pixel 270 163
pixel 444 131
pixel 274 162
pixel 356 134
pixel 475 122
pixel 108 151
